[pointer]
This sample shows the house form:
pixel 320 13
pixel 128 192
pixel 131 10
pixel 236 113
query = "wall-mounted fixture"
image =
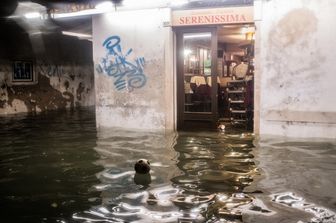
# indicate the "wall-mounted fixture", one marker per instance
pixel 23 72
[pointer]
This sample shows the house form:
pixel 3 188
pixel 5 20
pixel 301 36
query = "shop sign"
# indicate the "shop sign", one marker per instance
pixel 230 15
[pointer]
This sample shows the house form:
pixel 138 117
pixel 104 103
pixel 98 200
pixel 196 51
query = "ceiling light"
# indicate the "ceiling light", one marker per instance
pixel 79 35
pixel 104 6
pixel 198 35
pixel 32 15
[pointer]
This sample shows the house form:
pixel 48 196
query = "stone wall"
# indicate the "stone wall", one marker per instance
pixel 57 87
pixel 63 72
pixel 295 61
pixel 132 75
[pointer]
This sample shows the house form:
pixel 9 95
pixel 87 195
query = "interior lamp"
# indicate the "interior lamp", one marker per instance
pixel 249 36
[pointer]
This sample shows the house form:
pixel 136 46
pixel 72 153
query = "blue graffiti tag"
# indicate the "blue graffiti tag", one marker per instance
pixel 115 64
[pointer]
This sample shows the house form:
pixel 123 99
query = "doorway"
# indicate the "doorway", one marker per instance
pixel 215 69
pixel 196 96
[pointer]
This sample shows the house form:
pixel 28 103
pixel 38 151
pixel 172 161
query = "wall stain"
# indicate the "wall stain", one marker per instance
pixel 79 91
pixel 57 70
pixel 72 77
pixel 293 58
pixel 66 84
pixel 42 96
pixel 2 103
pixel 296 24
pixel 70 98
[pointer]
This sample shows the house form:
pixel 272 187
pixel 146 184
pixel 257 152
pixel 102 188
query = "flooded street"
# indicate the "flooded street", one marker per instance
pixel 57 167
pixel 297 179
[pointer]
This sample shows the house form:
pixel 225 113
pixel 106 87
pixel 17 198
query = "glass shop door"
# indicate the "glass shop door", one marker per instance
pixel 196 76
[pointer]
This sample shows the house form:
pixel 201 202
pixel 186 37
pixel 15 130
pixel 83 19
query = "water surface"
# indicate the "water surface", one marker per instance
pixel 56 167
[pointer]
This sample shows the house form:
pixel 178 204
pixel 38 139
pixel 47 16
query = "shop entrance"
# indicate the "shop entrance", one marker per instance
pixel 215 68
pixel 196 96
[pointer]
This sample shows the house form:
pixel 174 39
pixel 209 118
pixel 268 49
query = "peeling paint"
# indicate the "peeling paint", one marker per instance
pixel 2 103
pixel 49 93
pixel 80 90
pixel 66 84
pixel 33 96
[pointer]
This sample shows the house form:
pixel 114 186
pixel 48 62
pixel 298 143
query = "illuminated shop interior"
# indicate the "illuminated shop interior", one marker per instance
pixel 233 73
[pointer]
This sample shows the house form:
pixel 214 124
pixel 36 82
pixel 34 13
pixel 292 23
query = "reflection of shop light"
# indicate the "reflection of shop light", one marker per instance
pixel 199 35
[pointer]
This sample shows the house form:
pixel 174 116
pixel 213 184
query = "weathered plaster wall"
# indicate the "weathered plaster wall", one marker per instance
pixel 57 87
pixel 63 73
pixel 296 62
pixel 131 69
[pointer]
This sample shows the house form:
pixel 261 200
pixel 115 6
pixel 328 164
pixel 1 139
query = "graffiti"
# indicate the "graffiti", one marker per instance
pixel 127 74
pixel 58 86
pixel 49 70
pixel 59 71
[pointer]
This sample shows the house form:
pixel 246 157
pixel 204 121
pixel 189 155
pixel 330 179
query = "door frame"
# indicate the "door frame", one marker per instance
pixel 180 94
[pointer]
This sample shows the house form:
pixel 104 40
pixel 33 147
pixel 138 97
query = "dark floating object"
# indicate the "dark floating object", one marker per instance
pixel 142 166
pixel 142 179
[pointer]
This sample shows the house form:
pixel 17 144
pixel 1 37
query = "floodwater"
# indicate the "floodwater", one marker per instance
pixel 56 167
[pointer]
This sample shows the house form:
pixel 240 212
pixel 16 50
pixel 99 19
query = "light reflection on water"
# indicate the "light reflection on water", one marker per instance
pixel 56 167
pixel 320 214
pixel 195 177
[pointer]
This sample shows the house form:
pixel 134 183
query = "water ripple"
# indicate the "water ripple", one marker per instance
pixel 56 167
